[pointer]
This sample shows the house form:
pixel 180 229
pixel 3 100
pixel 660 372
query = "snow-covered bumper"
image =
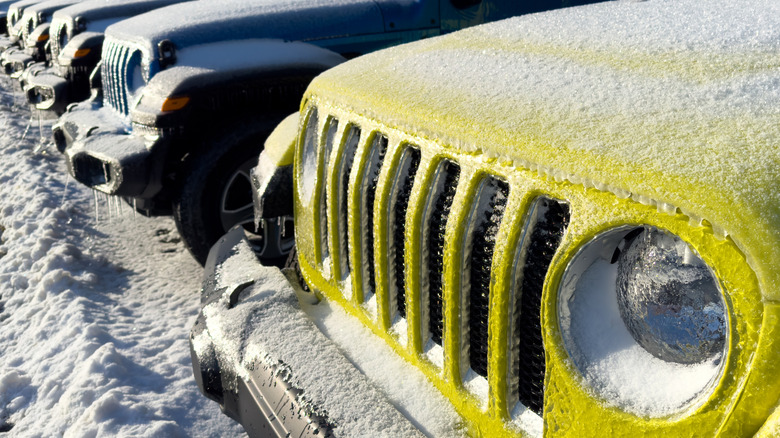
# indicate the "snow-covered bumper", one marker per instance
pixel 102 155
pixel 258 354
pixel 46 89
pixel 14 61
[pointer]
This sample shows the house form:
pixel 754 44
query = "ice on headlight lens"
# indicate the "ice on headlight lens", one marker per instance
pixel 644 321
pixel 669 299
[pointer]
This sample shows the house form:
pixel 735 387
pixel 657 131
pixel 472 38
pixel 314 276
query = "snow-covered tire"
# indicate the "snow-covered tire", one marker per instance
pixel 215 192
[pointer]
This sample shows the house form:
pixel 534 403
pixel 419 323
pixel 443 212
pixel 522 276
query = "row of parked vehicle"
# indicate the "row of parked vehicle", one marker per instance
pixel 565 221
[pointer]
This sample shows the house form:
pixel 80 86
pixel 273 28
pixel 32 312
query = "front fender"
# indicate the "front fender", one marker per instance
pixel 272 180
pixel 260 75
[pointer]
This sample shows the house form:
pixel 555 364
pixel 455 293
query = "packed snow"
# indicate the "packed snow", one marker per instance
pixel 94 314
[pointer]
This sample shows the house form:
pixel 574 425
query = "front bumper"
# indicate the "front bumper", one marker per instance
pixel 14 61
pixel 102 155
pixel 258 352
pixel 46 89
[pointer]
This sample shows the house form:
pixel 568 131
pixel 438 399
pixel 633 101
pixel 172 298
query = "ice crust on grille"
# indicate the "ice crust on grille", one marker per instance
pixel 673 103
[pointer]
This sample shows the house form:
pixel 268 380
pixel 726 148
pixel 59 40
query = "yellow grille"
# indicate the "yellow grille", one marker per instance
pixel 455 259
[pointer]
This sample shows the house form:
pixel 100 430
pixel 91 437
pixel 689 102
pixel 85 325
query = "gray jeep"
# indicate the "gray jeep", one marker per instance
pixel 185 109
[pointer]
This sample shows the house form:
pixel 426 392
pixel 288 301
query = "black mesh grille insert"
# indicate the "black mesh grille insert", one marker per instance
pixel 343 186
pixel 410 161
pixel 486 218
pixel 333 125
pixel 370 177
pixel 445 193
pixel 545 234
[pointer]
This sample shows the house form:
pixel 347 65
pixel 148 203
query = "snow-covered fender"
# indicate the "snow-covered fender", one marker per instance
pixel 272 181
pixel 206 90
pixel 205 86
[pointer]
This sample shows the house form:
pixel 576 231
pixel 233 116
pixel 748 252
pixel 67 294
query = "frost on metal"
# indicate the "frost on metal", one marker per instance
pixel 336 366
pixel 690 117
pixel 294 20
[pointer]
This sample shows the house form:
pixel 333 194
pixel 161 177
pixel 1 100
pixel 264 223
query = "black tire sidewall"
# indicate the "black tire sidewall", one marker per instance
pixel 196 207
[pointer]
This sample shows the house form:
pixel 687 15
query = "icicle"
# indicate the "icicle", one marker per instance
pixel 40 129
pixel 97 209
pixel 135 209
pixel 65 190
pixel 105 172
pixel 108 206
pixel 29 123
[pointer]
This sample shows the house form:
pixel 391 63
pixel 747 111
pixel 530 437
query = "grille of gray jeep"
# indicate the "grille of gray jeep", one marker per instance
pixel 58 37
pixel 115 75
pixel 28 28
pixel 392 196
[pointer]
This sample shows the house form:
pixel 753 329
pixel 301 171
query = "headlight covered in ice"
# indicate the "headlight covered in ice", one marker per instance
pixel 643 320
pixel 669 299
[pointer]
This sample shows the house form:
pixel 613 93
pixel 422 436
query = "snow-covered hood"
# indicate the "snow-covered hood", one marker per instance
pixel 670 102
pixel 99 14
pixel 16 9
pixel 207 22
pixel 48 7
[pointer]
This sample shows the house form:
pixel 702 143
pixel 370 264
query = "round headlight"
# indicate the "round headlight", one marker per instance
pixel 669 299
pixel 643 320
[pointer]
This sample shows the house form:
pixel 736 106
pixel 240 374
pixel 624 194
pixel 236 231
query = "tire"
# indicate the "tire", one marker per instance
pixel 215 194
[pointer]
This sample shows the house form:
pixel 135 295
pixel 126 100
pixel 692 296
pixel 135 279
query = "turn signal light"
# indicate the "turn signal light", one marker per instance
pixel 80 53
pixel 175 103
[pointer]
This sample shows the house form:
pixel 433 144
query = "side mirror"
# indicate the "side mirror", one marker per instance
pixel 166 52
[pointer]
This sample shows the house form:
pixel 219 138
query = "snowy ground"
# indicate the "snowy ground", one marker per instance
pixel 95 309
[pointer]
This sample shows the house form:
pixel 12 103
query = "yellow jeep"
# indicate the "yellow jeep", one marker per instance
pixel 568 222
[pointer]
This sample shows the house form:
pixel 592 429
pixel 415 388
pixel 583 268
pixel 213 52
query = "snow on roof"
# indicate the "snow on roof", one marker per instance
pixel 21 4
pixel 203 22
pixel 48 6
pixel 99 9
pixel 670 102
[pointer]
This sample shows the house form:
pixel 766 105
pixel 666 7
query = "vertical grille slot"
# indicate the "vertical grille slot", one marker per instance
pixel 397 209
pixel 485 221
pixel 345 169
pixel 58 38
pixel 108 74
pixel 332 127
pixel 368 195
pixel 114 73
pixel 546 225
pixel 434 225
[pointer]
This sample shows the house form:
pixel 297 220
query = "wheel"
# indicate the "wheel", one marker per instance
pixel 216 194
